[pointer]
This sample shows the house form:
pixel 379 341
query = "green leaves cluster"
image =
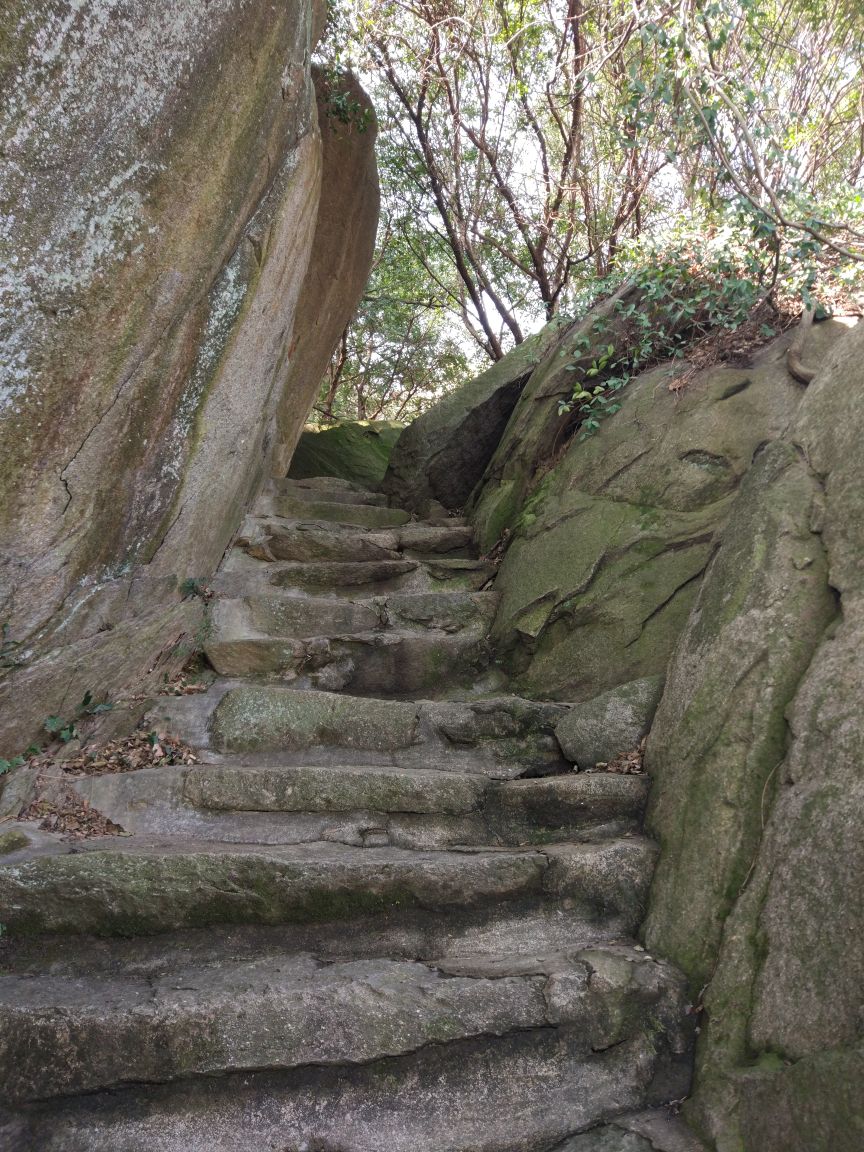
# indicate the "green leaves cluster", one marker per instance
pixel 58 728
pixel 696 280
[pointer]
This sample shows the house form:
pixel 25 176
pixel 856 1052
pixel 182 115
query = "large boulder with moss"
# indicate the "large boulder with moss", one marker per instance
pixel 442 455
pixel 148 318
pixel 759 798
pixel 539 428
pixel 610 544
pixel 354 450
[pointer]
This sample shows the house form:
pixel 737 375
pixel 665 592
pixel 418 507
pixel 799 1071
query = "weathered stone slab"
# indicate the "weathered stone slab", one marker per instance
pixel 342 247
pixel 600 729
pixel 61 1038
pixel 363 515
pixel 253 717
pixel 140 888
pixel 540 808
pixel 720 732
pixel 477 1102
pixel 612 876
pixel 313 789
pixel 151 317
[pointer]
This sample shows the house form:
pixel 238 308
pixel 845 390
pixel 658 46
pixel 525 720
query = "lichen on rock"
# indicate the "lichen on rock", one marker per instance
pixel 149 310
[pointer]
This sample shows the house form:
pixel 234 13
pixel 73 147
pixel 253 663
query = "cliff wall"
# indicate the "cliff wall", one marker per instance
pixel 160 203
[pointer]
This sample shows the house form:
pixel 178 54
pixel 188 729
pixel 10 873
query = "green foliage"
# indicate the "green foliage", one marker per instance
pixel 403 349
pixel 60 729
pixel 341 105
pixel 532 155
pixel 67 729
pixel 695 280
pixel 64 730
pixel 193 586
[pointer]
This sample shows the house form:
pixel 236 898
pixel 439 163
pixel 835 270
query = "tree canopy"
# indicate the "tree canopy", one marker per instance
pixel 533 153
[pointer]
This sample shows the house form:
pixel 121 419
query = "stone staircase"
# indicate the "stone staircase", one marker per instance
pixel 381 913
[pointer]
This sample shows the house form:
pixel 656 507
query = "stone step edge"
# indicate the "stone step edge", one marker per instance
pixel 255 1015
pixel 286 486
pixel 385 636
pixel 258 712
pixel 111 887
pixel 449 793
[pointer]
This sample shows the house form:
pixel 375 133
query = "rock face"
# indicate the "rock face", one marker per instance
pixel 340 259
pixel 721 531
pixel 148 317
pixel 442 455
pixel 759 803
pixel 720 733
pixel 354 450
pixel 606 556
pixel 538 429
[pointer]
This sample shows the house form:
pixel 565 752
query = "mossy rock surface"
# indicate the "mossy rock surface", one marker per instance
pixel 442 454
pixel 256 717
pixel 149 312
pixel 758 797
pixel 608 546
pixel 720 731
pixel 358 451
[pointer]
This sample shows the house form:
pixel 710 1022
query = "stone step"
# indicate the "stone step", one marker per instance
pixel 382 663
pixel 316 789
pixel 504 734
pixel 477 573
pixel 140 886
pixel 553 808
pixel 423 539
pixel 399 645
pixel 337 578
pixel 448 611
pixel 334 484
pixel 272 538
pixel 525 929
pixel 66 1036
pixel 522 1091
pixel 365 805
pixel 242 575
pixel 280 615
pixel 316 488
pixel 296 507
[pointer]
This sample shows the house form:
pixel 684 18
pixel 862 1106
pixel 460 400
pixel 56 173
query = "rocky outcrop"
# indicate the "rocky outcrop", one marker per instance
pixel 341 253
pixel 607 554
pixel 539 429
pixel 354 450
pixel 758 799
pixel 716 537
pixel 442 454
pixel 160 174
